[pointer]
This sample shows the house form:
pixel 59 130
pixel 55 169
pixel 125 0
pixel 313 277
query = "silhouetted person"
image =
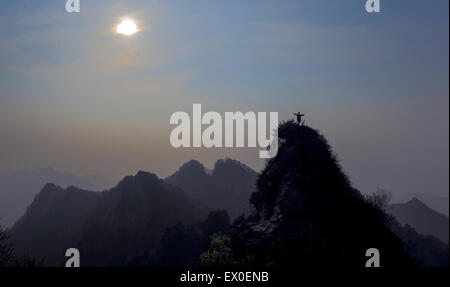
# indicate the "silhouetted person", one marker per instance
pixel 299 118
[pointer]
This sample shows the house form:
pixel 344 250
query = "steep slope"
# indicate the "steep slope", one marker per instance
pixel 308 214
pixel 425 249
pixel 439 203
pixel 422 218
pixel 130 219
pixel 18 188
pixel 53 222
pixel 111 228
pixel 228 186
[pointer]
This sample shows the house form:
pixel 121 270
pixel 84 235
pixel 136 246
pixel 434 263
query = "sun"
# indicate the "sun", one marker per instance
pixel 127 27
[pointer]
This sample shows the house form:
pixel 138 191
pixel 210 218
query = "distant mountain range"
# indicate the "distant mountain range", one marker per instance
pixel 132 217
pixel 148 221
pixel 18 188
pixel 437 202
pixel 422 218
pixel 112 228
pixel 228 186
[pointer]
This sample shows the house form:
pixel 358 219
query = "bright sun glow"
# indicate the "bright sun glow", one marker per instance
pixel 127 27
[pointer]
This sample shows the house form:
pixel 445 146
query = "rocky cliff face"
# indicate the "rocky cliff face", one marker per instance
pixel 53 221
pixel 111 228
pixel 307 212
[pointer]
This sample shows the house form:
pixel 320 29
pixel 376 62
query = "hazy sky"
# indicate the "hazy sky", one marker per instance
pixel 76 96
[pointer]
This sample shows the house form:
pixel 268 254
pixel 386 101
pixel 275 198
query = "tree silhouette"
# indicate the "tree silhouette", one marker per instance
pixel 8 258
pixel 181 245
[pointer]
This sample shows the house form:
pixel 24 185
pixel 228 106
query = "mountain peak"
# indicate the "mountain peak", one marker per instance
pixel 306 162
pixel 145 174
pixel 50 187
pixel 138 210
pixel 303 194
pixel 416 202
pixel 191 168
pixel 227 187
pixel 228 163
pixel 141 181
pixel 193 164
pixel 423 218
pixel 50 190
